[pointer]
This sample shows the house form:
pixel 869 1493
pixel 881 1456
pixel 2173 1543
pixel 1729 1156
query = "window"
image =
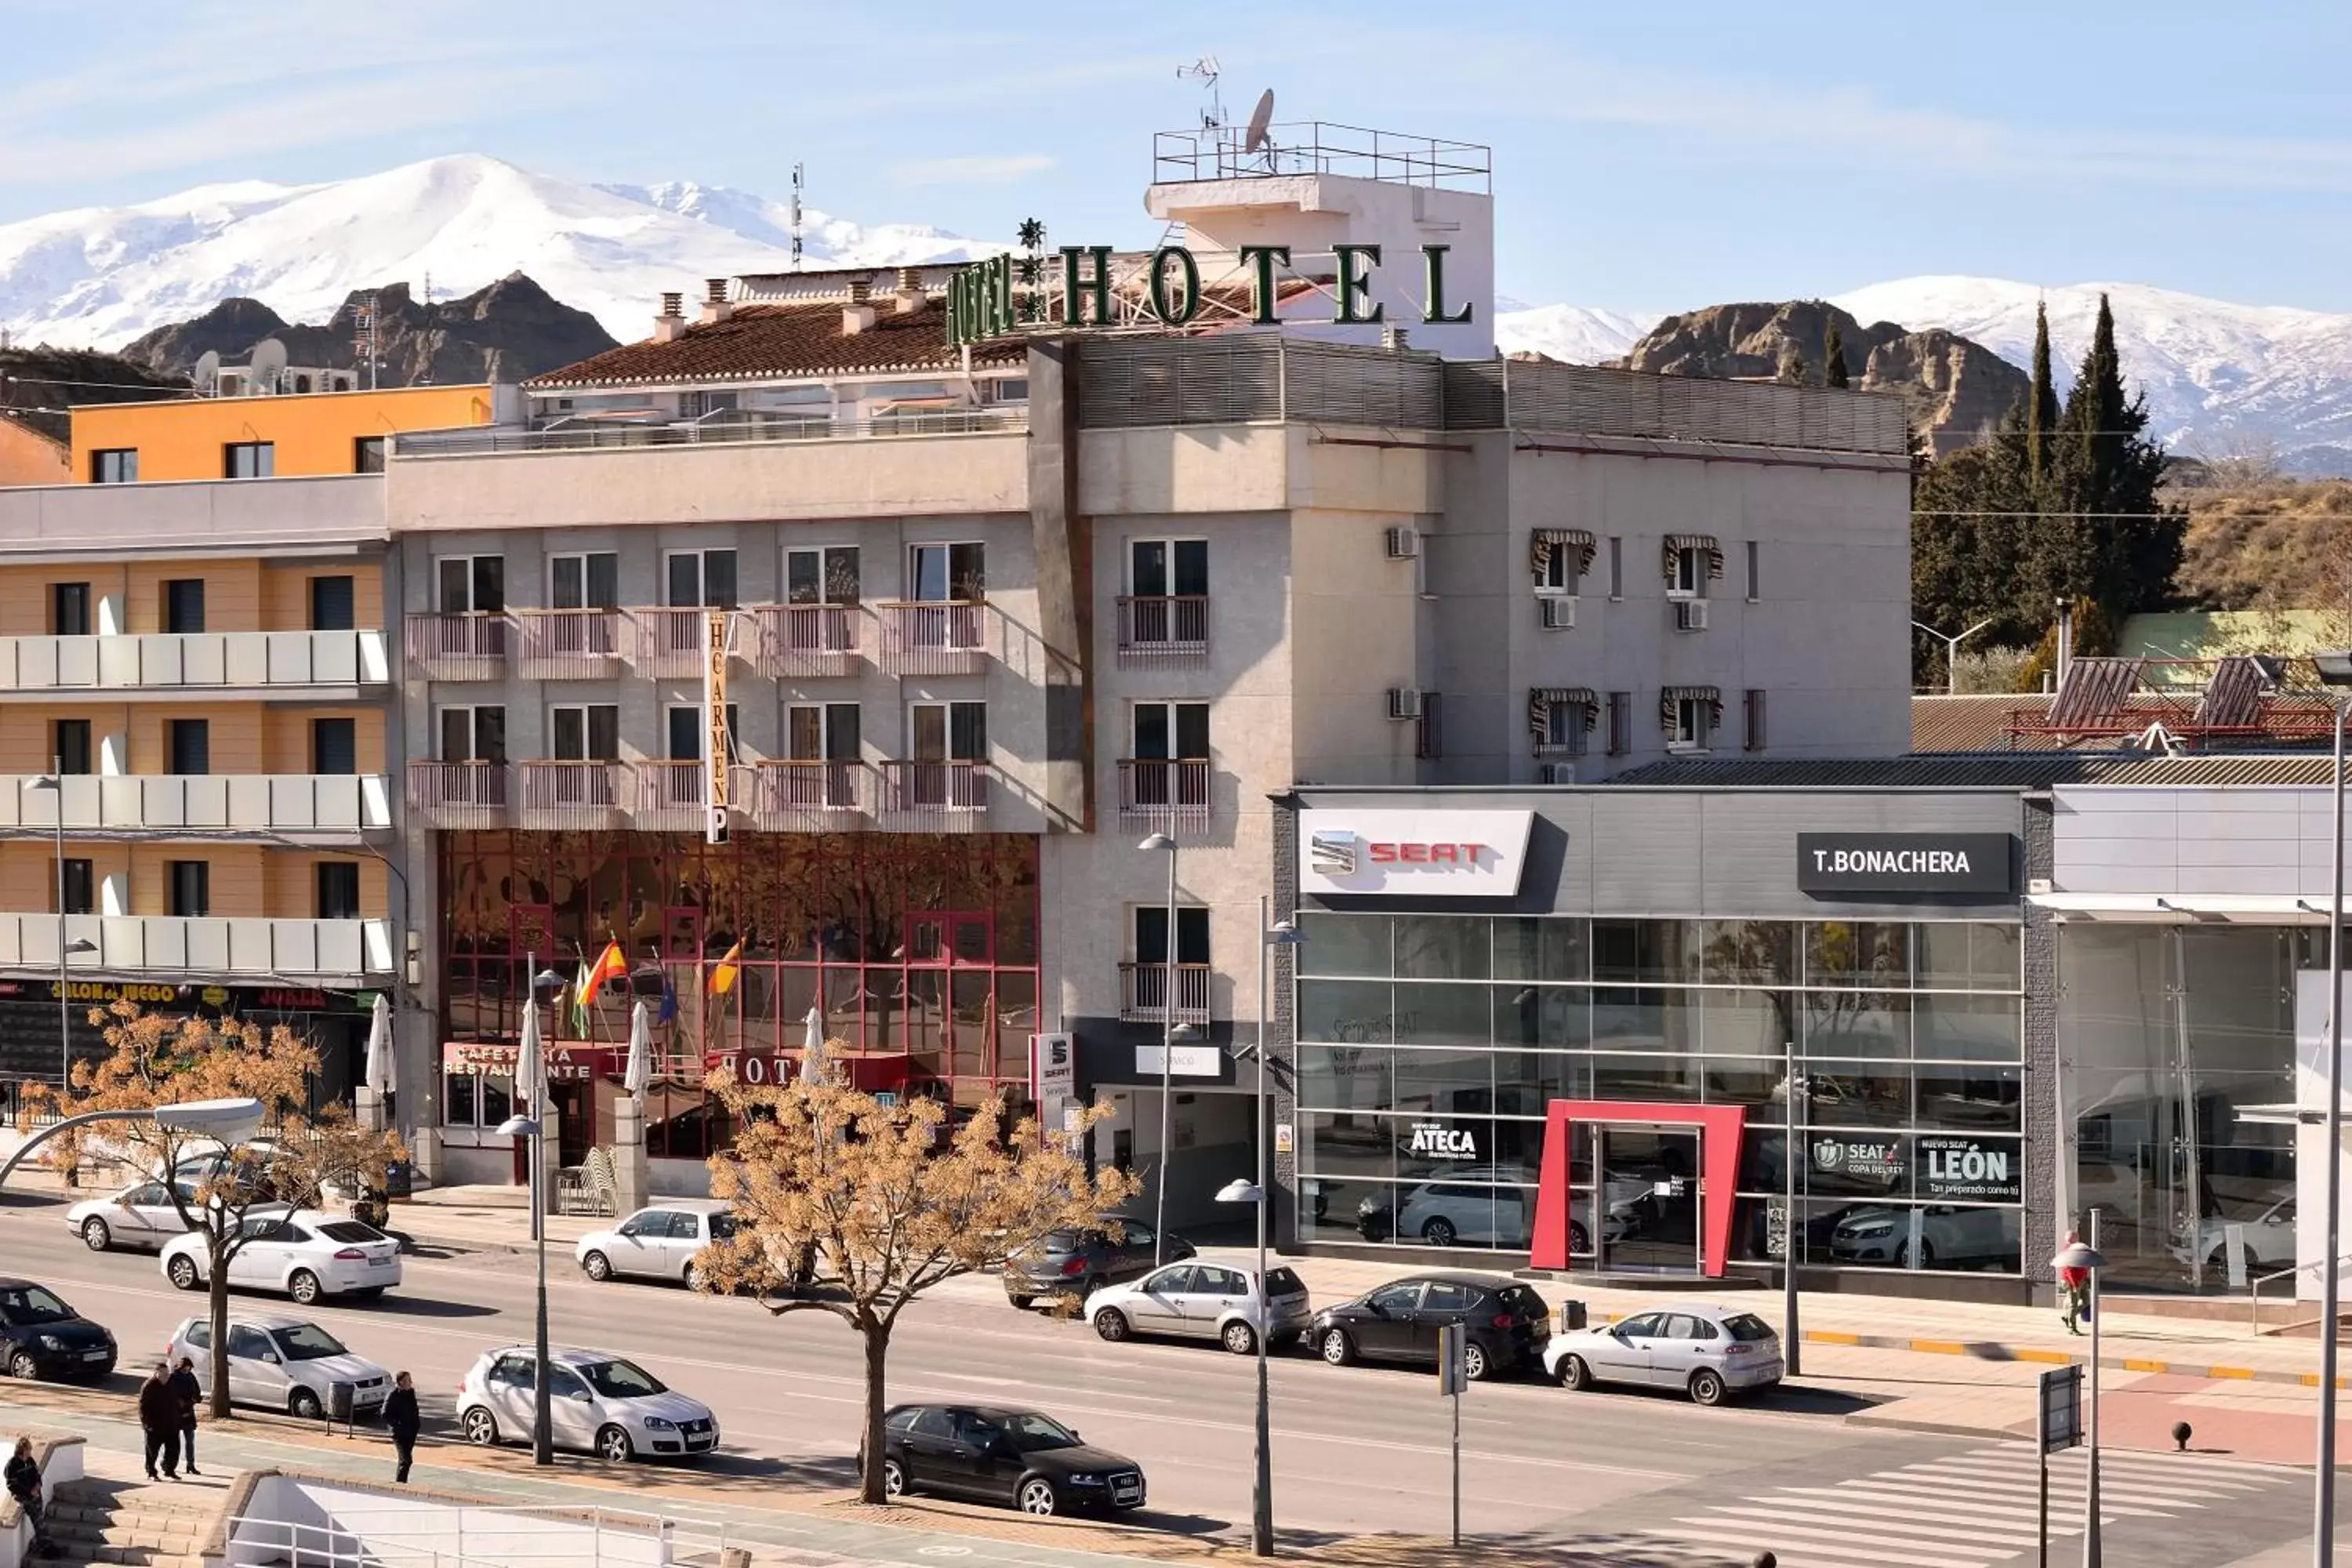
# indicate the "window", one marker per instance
pixel 339 889
pixel 190 745
pixel 249 460
pixel 248 1344
pixel 191 888
pixel 1444 1295
pixel 367 455
pixel 183 605
pixel 826 576
pixel 1687 722
pixel 1616 567
pixel 335 746
pixel 1621 722
pixel 115 466
pixel 1556 570
pixel 471 584
pixel 1404 1298
pixel 653 1222
pixel 1686 579
pixel 1753 710
pixel 700 578
pixel 331 604
pixel 1211 1280
pixel 69 609
pixel 1168 568
pixel 1152 933
pixel 585 582
pixel 1429 730
pixel 474 734
pixel 70 745
pixel 584 732
pixel 1755 578
pixel 685 742
pixel 1560 725
pixel 80 887
pixel 949 732
pixel 1176 1281
pixel 822 733
pixel 937 573
pixel 1168 730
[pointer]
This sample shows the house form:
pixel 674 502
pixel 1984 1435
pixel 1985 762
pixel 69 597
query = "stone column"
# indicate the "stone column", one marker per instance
pixel 630 1174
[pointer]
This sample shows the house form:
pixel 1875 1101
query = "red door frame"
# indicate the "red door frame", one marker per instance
pixel 1721 1127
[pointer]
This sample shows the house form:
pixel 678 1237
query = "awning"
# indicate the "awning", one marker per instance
pixel 2243 908
pixel 1678 542
pixel 1541 699
pixel 1710 695
pixel 1544 540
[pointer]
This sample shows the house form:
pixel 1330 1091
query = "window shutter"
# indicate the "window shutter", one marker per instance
pixel 1755 738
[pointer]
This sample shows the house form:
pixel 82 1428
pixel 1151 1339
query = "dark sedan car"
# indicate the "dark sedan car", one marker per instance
pixel 1000 1455
pixel 1508 1323
pixel 1081 1262
pixel 40 1336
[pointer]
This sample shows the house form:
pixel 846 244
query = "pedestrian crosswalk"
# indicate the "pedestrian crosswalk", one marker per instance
pixel 1970 1509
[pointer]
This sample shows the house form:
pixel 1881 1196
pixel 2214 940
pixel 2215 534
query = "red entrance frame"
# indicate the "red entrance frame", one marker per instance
pixel 1720 1127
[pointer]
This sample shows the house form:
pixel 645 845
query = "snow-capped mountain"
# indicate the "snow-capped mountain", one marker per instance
pixel 1580 334
pixel 99 277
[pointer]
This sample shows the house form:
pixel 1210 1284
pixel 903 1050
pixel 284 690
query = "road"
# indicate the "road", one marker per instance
pixel 1357 1450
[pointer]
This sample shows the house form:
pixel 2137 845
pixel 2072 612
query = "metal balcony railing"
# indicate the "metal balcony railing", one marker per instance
pixel 458 646
pixel 805 639
pixel 810 797
pixel 730 428
pixel 458 795
pixel 935 795
pixel 172 661
pixel 1163 629
pixel 280 803
pixel 197 946
pixel 559 794
pixel 670 797
pixel 934 636
pixel 672 642
pixel 1144 993
pixel 1169 796
pixel 568 645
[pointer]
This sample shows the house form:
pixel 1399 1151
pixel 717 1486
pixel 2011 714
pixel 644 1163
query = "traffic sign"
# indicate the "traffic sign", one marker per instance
pixel 2058 1423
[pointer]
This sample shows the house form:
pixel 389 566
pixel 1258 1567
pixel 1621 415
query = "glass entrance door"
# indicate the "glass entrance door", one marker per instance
pixel 1649 1199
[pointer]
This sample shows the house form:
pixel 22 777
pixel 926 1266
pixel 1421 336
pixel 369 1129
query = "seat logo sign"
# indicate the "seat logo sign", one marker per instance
pixel 1435 1141
pixel 1335 854
pixel 1408 854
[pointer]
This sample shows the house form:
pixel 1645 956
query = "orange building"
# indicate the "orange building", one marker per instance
pixel 27 456
pixel 292 435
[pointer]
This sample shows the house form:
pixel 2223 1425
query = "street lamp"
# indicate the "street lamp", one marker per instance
pixel 1157 844
pixel 54 783
pixel 2335 670
pixel 542 1430
pixel 1952 651
pixel 2085 1256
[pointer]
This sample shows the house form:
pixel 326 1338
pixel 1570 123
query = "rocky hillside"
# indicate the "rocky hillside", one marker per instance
pixel 1957 389
pixel 508 330
pixel 38 384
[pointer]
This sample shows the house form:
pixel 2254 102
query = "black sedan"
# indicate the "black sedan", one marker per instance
pixel 1000 1455
pixel 40 1336
pixel 1082 1262
pixel 1508 1324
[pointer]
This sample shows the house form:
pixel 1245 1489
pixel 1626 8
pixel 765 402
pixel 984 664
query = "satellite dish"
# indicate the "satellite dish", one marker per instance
pixel 1260 118
pixel 268 358
pixel 207 369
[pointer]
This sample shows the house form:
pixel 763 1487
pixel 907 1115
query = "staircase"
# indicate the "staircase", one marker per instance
pixel 158 1525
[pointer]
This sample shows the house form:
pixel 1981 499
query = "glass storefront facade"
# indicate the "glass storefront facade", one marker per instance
pixel 1429 1047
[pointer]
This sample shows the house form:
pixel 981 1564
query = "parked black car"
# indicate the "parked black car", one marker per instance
pixel 1002 1455
pixel 1508 1324
pixel 40 1336
pixel 1083 1261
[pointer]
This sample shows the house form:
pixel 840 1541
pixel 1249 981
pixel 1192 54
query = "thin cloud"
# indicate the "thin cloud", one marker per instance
pixel 981 170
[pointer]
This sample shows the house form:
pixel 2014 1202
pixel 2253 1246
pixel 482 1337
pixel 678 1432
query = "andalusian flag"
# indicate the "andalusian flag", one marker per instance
pixel 722 979
pixel 610 965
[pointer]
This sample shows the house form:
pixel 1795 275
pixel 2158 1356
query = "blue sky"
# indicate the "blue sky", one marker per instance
pixel 1647 157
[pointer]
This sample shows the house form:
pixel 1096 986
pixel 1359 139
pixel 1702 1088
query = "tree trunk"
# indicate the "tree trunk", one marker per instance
pixel 216 1293
pixel 877 1335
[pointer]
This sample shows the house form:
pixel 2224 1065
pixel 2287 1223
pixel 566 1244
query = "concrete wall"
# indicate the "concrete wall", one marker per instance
pixel 30 457
pixel 242 517
pixel 313 432
pixel 2123 839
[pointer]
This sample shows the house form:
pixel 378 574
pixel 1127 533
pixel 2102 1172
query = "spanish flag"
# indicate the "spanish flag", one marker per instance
pixel 610 964
pixel 722 978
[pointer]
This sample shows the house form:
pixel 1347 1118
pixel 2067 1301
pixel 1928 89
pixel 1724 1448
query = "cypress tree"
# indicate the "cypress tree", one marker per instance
pixel 1834 356
pixel 2042 402
pixel 2110 538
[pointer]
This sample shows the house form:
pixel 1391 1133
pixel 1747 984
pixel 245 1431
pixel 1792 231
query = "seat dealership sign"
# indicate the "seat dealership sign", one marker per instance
pixel 1412 853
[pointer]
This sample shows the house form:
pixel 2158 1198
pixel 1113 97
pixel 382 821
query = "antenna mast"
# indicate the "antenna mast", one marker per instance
pixel 1205 71
pixel 797 181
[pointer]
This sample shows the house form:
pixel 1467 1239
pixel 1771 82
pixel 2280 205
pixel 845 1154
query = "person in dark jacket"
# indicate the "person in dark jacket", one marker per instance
pixel 159 1421
pixel 190 1394
pixel 23 1478
pixel 401 1418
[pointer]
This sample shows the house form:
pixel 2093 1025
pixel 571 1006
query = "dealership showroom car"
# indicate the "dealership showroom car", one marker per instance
pixel 1081 1262
pixel 1949 1235
pixel 1205 1301
pixel 1018 1457
pixel 598 1403
pixel 300 1253
pixel 40 1336
pixel 2269 1236
pixel 658 1242
pixel 279 1362
pixel 1506 1322
pixel 1707 1353
pixel 141 1215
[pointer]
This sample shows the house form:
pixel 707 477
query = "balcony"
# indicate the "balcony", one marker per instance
pixel 1163 629
pixel 458 646
pixel 673 643
pixel 200 948
pixel 1143 993
pixel 670 797
pixel 796 640
pixel 934 636
pixel 458 795
pixel 173 664
pixel 1170 796
pixel 336 805
pixel 935 796
pixel 568 645
pixel 810 797
pixel 570 796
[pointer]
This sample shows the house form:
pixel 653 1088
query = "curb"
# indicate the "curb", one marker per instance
pixel 1993 1350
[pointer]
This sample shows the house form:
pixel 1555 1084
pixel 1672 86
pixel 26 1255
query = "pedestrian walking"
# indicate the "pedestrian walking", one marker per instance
pixel 159 1423
pixel 401 1419
pixel 23 1478
pixel 190 1394
pixel 2076 1284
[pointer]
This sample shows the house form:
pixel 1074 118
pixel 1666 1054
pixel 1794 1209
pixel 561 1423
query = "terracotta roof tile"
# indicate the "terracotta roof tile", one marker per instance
pixel 782 341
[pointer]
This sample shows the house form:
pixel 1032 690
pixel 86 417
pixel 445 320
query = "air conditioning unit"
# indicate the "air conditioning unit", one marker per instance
pixel 1690 615
pixel 1559 612
pixel 1403 544
pixel 1405 702
pixel 1557 773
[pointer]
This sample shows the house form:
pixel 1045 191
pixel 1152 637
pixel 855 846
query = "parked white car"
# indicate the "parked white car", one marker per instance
pixel 657 1242
pixel 301 1253
pixel 2269 1236
pixel 1708 1353
pixel 1947 1235
pixel 602 1404
pixel 278 1363
pixel 1204 1301
pixel 142 1216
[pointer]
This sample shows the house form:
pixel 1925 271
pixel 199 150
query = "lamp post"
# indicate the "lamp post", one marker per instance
pixel 1160 843
pixel 1791 1333
pixel 2335 670
pixel 54 781
pixel 543 1431
pixel 2085 1256
pixel 1952 651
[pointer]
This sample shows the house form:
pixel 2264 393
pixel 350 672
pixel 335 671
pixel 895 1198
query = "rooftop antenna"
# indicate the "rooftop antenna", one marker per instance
pixel 797 179
pixel 1254 139
pixel 1205 71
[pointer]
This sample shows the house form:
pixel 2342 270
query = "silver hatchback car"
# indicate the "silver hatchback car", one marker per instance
pixel 1707 1353
pixel 1204 1301
pixel 280 1363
